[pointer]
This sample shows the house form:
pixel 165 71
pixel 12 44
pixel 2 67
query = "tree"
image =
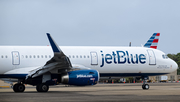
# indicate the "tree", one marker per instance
pixel 175 57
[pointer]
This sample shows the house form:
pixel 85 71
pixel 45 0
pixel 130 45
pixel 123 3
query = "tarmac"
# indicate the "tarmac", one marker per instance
pixel 125 92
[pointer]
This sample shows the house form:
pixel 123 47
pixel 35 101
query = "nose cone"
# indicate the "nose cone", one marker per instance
pixel 174 65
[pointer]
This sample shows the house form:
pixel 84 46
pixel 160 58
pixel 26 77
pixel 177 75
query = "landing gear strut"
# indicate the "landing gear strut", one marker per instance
pixel 42 88
pixel 19 87
pixel 145 86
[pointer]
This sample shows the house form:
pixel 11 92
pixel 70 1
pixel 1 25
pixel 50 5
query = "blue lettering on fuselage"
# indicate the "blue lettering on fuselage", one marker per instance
pixel 122 57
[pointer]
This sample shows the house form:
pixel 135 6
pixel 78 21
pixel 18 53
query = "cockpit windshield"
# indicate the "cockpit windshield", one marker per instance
pixel 165 57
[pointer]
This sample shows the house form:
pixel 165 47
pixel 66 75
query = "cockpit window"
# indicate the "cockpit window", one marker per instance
pixel 165 57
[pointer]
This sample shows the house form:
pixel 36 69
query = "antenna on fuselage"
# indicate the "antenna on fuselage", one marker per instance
pixel 130 44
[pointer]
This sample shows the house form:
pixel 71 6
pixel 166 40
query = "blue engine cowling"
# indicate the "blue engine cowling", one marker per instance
pixel 81 77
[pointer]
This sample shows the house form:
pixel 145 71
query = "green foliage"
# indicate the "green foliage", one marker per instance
pixel 175 57
pixel 178 71
pixel 129 79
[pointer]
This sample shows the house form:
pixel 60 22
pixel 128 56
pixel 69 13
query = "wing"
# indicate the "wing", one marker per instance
pixel 59 61
pixel 153 41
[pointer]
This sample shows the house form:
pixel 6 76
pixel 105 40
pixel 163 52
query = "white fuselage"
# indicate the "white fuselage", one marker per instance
pixel 107 60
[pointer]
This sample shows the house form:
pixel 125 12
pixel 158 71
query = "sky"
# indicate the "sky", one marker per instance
pixel 90 22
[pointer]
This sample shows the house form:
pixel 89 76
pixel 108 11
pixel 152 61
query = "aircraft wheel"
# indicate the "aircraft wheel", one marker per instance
pixel 37 88
pixel 18 88
pixel 145 86
pixel 42 88
pixel 15 87
pixel 21 88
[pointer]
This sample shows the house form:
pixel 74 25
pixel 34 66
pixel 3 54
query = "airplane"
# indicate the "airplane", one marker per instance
pixel 153 41
pixel 43 66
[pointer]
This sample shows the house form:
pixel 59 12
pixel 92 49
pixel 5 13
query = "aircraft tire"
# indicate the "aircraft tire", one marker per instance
pixel 21 88
pixel 42 88
pixel 145 86
pixel 37 88
pixel 18 88
pixel 15 87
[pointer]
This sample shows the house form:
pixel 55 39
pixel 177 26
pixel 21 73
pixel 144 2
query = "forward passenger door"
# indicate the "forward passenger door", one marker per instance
pixel 152 58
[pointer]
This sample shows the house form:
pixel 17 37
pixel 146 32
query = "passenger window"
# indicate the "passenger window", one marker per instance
pixel 26 56
pixel 6 56
pixel 45 56
pixel 80 56
pixel 37 56
pixel 73 56
pixel 41 56
pixel 30 56
pixel 87 56
pixel 34 56
pixel 84 56
pixel 69 56
pixel 49 56
pixel 22 56
pixel 2 56
pixel 77 56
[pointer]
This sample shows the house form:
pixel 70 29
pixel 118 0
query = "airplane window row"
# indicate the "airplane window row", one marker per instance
pixel 4 56
pixel 36 56
pixel 78 56
pixel 47 56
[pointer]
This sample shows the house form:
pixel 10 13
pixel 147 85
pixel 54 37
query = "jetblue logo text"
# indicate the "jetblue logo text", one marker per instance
pixel 121 57
pixel 84 76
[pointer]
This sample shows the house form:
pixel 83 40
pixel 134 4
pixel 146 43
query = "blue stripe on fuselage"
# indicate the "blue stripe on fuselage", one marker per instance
pixel 17 76
pixel 22 76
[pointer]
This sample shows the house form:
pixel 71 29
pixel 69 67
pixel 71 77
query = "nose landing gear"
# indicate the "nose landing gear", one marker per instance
pixel 145 86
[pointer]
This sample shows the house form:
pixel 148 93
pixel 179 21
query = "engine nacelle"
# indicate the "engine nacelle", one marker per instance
pixel 81 77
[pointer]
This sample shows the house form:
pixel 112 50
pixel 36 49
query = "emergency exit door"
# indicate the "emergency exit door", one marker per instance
pixel 15 58
pixel 152 58
pixel 94 58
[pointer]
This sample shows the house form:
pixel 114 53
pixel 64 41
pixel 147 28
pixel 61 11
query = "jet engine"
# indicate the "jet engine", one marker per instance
pixel 81 77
